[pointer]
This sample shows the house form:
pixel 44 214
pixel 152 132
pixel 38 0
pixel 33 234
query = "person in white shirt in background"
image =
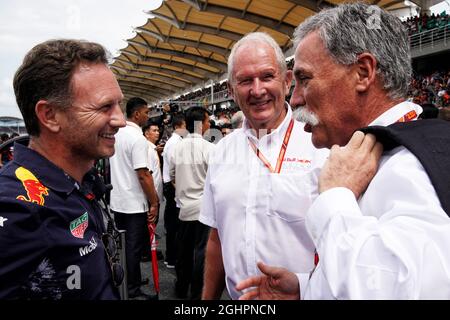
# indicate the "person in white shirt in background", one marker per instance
pixel 171 210
pixel 379 234
pixel 134 200
pixel 151 133
pixel 262 177
pixel 188 166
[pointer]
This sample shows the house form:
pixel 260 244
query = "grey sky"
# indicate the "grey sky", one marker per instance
pixel 25 23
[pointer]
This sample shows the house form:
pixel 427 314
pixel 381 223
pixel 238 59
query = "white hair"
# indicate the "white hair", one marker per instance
pixel 257 37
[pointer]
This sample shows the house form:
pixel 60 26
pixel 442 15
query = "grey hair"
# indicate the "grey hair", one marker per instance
pixel 351 29
pixel 257 37
pixel 237 119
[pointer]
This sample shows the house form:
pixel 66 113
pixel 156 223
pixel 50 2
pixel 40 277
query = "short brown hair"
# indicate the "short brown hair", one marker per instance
pixel 46 73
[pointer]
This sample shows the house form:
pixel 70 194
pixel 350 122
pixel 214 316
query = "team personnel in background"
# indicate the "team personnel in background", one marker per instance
pixel 379 234
pixel 151 133
pixel 134 200
pixel 52 235
pixel 262 178
pixel 188 167
pixel 171 221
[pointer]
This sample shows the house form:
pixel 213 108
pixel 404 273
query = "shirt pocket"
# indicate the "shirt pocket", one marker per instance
pixel 290 196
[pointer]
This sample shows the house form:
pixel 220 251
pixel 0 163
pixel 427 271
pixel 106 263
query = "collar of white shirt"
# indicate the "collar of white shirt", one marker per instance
pixel 275 134
pixel 134 125
pixel 176 135
pixel 395 113
pixel 193 136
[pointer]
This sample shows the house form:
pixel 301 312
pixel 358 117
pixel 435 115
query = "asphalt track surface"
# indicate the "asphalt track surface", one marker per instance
pixel 167 276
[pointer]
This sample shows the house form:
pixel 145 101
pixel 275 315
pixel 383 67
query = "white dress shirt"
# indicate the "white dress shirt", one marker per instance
pixel 170 145
pixel 188 167
pixel 155 167
pixel 260 216
pixel 392 243
pixel 131 153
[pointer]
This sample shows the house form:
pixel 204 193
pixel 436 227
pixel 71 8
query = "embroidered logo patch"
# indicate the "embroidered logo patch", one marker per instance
pixel 79 225
pixel 34 188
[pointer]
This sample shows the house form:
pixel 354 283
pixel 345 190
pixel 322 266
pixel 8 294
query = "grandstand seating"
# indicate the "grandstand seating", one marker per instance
pixel 425 22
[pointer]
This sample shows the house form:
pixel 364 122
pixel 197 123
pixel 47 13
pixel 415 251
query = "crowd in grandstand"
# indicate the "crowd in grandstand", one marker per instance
pixel 6 153
pixel 195 95
pixel 431 88
pixel 426 22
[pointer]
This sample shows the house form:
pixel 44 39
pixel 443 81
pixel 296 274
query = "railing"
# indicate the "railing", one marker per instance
pixel 430 38
pixel 205 100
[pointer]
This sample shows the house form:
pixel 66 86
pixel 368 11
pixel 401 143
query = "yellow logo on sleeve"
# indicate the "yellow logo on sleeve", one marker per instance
pixel 34 188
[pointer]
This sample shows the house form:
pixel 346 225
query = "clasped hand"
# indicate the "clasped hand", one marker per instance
pixel 352 166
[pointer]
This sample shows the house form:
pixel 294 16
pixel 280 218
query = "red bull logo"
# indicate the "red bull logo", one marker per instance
pixel 34 188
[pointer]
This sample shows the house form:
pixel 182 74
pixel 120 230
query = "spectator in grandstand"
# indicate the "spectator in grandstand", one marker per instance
pixel 4 153
pixel 134 199
pixel 52 239
pixel 262 177
pixel 171 211
pixel 188 167
pixel 379 234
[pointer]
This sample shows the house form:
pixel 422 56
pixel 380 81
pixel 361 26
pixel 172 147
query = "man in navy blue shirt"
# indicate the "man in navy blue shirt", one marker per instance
pixel 53 243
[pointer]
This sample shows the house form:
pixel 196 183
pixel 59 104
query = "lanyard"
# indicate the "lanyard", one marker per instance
pixel 283 148
pixel 408 116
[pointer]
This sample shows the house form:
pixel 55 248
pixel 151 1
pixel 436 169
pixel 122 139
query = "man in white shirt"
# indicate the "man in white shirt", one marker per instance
pixel 134 200
pixel 379 234
pixel 171 210
pixel 188 167
pixel 151 133
pixel 262 178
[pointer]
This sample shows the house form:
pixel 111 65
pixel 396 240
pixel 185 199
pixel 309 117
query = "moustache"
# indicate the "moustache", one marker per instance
pixel 303 115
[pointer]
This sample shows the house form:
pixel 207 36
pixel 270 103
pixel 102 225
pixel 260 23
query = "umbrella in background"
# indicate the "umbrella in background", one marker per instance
pixel 154 244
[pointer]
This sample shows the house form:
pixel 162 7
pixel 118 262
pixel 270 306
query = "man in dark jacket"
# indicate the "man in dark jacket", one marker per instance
pixel 53 243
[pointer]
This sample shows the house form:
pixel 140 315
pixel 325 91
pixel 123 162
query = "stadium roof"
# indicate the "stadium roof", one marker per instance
pixel 185 44
pixel 10 120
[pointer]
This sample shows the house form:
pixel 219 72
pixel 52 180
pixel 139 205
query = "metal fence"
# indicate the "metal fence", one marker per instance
pixel 430 38
pixel 205 100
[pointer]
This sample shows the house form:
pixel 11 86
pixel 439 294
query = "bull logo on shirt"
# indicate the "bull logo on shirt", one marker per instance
pixel 34 188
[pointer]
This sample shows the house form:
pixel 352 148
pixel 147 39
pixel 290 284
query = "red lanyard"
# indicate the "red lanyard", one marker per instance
pixel 408 117
pixel 283 148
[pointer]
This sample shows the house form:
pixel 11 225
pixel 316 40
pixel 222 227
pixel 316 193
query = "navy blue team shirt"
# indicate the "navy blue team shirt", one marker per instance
pixel 50 234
